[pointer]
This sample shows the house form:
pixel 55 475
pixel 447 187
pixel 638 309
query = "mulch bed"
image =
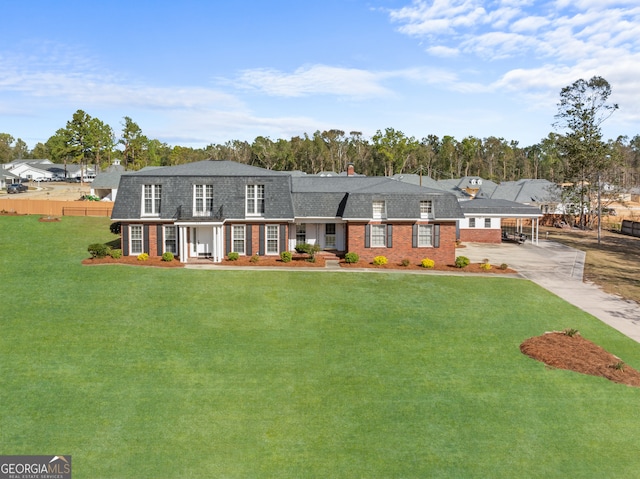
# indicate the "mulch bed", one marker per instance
pixel 133 261
pixel 575 353
pixel 298 261
pixel 471 268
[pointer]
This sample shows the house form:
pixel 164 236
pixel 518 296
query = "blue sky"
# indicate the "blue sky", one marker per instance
pixel 197 72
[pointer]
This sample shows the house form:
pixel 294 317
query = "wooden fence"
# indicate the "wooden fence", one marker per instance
pixel 631 228
pixel 56 207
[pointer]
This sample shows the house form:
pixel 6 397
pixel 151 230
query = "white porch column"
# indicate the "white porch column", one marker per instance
pixel 183 249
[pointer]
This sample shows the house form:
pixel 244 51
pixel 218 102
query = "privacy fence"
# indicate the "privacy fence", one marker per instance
pixel 56 207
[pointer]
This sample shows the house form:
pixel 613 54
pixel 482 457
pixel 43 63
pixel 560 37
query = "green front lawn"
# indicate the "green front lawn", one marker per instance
pixel 146 373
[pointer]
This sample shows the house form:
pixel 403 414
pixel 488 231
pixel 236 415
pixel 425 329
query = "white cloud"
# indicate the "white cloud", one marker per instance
pixel 315 80
pixel 442 51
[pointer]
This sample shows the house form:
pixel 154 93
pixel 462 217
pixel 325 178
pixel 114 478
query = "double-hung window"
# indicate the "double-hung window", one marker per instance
pixel 135 240
pixel 301 233
pixel 238 238
pixel 425 236
pixel 472 222
pixel 487 222
pixel 255 200
pixel 203 200
pixel 330 235
pixel 170 240
pixel 379 210
pixel 426 209
pixel 152 196
pixel 272 239
pixel 378 236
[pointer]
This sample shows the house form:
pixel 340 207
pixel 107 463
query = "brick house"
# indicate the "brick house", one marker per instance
pixel 210 208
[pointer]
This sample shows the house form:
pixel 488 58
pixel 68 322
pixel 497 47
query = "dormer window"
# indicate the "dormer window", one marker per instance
pixel 426 209
pixel 379 210
pixel 151 200
pixel 203 200
pixel 255 200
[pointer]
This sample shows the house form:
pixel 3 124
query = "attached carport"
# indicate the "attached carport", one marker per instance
pixel 514 218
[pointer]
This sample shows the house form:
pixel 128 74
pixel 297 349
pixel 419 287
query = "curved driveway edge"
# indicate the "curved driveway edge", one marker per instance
pixel 559 269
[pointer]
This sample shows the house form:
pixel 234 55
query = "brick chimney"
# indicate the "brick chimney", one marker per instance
pixel 350 170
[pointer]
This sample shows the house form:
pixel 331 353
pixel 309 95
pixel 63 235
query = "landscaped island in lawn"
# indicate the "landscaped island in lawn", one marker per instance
pixel 150 372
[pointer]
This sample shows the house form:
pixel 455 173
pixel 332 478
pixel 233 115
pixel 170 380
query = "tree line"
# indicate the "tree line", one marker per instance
pixel 559 157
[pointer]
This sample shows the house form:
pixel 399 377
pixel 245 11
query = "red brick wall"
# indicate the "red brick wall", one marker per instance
pixel 480 235
pixel 403 244
pixel 153 241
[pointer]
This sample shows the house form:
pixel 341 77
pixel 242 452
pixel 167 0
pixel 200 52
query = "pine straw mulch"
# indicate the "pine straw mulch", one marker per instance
pixel 133 261
pixel 471 268
pixel 298 261
pixel 575 353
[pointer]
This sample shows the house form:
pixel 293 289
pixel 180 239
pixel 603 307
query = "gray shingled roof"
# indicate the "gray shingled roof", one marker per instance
pixel 351 197
pixel 503 208
pixel 209 168
pixel 527 191
pixel 424 181
pixel 107 180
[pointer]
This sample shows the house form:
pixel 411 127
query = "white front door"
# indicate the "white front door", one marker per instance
pixel 202 241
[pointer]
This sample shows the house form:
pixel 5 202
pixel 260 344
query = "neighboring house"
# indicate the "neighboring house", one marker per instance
pixel 487 220
pixel 210 208
pixel 31 169
pixel 44 169
pixel 105 185
pixel 7 178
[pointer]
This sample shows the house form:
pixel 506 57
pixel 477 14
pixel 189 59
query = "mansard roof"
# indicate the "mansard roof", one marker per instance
pixel 209 168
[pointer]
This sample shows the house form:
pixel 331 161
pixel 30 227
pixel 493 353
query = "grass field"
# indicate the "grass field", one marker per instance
pixel 175 373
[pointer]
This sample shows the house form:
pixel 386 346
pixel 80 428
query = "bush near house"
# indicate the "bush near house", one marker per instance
pixel 351 257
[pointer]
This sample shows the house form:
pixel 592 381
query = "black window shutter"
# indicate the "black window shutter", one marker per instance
pixel 125 239
pixel 159 238
pixel 367 236
pixel 414 236
pixel 145 234
pixel 227 239
pixel 248 240
pixel 283 238
pixel 389 236
pixel 261 240
pixel 436 236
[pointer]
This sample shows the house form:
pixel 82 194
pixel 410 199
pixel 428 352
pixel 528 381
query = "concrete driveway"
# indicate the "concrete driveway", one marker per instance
pixel 559 269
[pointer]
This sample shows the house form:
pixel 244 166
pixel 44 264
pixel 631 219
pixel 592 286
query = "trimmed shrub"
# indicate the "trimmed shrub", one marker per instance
pixel 115 253
pixel 286 256
pixel 405 262
pixel 485 266
pixel 255 258
pixel 427 263
pixel 167 256
pixel 310 249
pixel 116 227
pixel 98 250
pixel 504 266
pixel 462 262
pixel 143 257
pixel 233 256
pixel 351 257
pixel 380 260
pixel 303 248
